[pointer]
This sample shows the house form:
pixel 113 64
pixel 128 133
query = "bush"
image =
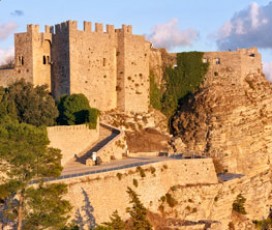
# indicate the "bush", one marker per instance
pixel 171 201
pixel 238 204
pixel 135 183
pixel 75 109
pixel 119 175
pixel 141 171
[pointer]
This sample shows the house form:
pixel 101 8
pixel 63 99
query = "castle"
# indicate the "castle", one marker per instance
pixel 111 68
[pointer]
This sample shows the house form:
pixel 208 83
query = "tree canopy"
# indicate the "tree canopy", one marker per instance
pixel 29 104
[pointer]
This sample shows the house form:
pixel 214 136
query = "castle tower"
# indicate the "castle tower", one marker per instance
pixel 85 62
pixel 132 71
pixel 33 56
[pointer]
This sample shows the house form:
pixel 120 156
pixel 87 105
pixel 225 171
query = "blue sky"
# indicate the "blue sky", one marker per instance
pixel 179 25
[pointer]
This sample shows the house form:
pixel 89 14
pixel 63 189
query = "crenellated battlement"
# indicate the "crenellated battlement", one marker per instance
pixel 33 28
pixel 64 27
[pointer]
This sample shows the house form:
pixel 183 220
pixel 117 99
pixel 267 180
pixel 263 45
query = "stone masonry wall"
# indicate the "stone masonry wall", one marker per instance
pixel 7 77
pixel 135 75
pixel 72 140
pixel 106 192
pixel 116 148
pixel 93 65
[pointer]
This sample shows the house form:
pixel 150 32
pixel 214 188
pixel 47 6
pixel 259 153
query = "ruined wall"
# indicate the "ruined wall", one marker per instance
pixel 133 71
pixel 71 140
pixel 106 192
pixel 231 67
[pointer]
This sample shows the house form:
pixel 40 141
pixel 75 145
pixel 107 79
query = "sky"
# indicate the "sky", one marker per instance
pixel 178 25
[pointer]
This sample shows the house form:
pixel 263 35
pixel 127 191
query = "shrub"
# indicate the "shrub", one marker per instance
pixel 152 170
pixel 119 175
pixel 171 201
pixel 238 204
pixel 135 183
pixel 75 109
pixel 141 171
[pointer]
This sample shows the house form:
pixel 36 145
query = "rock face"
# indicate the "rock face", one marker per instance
pixel 228 120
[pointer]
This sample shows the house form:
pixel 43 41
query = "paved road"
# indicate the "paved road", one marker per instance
pixel 124 163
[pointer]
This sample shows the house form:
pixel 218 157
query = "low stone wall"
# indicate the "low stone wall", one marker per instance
pixel 106 192
pixel 71 140
pixel 7 77
pixel 114 149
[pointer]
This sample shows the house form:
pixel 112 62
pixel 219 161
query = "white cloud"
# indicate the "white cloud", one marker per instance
pixel 267 68
pixel 249 27
pixel 7 29
pixel 169 35
pixel 5 55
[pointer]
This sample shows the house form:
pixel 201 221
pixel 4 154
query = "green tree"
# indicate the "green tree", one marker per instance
pixel 24 157
pixel 75 109
pixel 116 223
pixel 32 105
pixel 137 212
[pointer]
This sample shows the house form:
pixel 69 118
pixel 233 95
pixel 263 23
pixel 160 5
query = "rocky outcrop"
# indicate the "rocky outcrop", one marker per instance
pixel 213 204
pixel 230 122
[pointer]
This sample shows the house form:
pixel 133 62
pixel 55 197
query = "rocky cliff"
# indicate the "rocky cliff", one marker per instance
pixel 230 122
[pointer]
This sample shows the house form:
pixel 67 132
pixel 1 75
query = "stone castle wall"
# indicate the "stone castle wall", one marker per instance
pixel 110 67
pixel 71 140
pixel 232 67
pixel 106 192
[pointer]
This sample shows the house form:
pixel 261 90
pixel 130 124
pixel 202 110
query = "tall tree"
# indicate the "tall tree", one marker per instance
pixel 24 157
pixel 137 212
pixel 115 223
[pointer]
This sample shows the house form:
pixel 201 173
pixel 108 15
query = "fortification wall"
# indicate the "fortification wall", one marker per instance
pixel 251 61
pixel 116 148
pixel 93 65
pixel 223 67
pixel 106 192
pixel 72 140
pixel 8 76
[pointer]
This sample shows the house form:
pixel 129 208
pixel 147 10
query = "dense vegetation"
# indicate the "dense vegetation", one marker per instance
pixel 28 104
pixel 155 93
pixel 24 157
pixel 75 109
pixel 180 81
